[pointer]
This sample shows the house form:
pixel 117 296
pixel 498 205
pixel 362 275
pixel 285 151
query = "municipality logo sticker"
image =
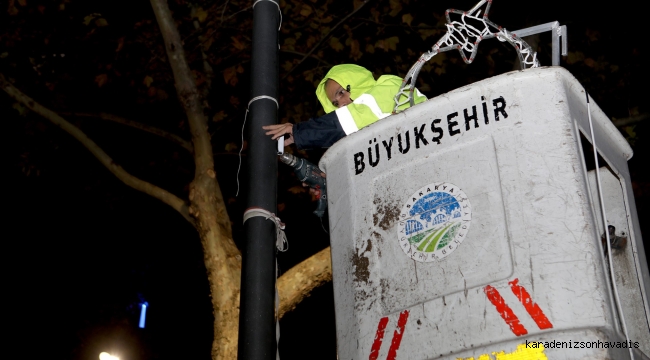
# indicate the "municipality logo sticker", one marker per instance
pixel 434 222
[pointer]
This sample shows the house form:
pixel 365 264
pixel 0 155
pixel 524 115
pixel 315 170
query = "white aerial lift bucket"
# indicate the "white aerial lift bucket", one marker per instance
pixel 469 227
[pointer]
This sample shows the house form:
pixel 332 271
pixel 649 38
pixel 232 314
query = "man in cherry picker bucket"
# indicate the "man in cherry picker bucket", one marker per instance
pixel 352 99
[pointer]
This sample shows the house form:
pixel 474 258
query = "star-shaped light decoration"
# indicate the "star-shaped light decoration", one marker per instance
pixel 464 35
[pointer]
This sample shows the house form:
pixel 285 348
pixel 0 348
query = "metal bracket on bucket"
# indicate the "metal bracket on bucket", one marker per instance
pixel 557 32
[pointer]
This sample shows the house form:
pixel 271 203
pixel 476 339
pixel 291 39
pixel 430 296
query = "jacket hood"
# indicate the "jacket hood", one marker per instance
pixel 358 78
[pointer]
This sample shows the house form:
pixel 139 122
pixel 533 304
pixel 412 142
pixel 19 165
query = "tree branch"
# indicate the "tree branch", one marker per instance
pixel 224 10
pixel 630 120
pixel 238 12
pixel 187 145
pixel 130 180
pixel 303 54
pixel 186 89
pixel 417 27
pixel 298 283
pixel 311 51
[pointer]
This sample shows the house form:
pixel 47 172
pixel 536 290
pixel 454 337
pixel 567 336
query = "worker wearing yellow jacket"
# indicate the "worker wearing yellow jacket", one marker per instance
pixel 352 99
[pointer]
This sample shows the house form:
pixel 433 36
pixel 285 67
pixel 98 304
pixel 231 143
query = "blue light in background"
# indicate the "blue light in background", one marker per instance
pixel 143 313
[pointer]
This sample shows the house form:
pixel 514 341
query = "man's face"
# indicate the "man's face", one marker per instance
pixel 337 94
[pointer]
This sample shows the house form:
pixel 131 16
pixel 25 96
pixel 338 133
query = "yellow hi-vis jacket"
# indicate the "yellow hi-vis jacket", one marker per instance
pixel 372 100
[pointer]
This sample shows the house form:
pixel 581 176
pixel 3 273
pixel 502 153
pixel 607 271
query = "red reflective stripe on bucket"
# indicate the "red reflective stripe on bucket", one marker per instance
pixel 504 310
pixel 533 309
pixel 397 335
pixel 379 336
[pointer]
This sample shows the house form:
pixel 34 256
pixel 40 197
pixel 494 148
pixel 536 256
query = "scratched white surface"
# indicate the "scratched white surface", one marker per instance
pixel 623 260
pixel 532 220
pixel 482 258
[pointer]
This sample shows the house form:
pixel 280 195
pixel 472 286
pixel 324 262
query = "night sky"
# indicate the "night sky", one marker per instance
pixel 82 250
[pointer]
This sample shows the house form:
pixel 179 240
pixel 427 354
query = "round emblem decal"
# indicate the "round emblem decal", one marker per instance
pixel 434 222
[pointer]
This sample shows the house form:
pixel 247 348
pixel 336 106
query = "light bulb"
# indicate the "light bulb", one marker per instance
pixel 107 356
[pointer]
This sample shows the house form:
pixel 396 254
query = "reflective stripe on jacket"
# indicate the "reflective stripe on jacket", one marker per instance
pixel 372 100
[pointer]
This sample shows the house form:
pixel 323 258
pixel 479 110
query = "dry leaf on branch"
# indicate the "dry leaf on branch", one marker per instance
pixel 101 79
pixel 147 81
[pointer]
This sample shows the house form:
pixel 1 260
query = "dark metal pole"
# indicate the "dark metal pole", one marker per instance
pixel 257 301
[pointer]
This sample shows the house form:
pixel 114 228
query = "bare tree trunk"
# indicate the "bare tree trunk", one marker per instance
pixel 221 256
pixel 293 286
pixel 207 211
